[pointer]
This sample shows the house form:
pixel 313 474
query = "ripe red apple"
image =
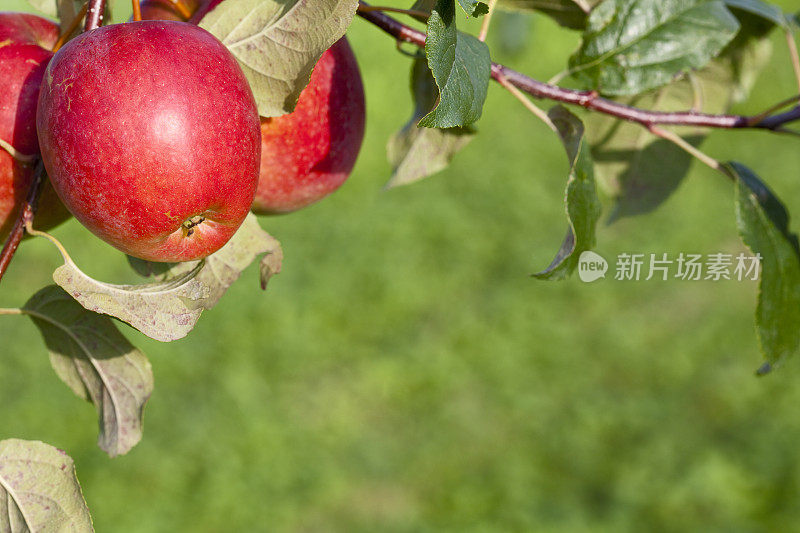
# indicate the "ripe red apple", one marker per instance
pixel 150 135
pixel 25 44
pixel 309 153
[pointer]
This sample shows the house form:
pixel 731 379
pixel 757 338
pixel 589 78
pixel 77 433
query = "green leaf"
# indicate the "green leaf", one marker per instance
pixel 98 363
pixel 222 268
pixel 169 308
pixel 568 13
pixel 582 204
pixel 461 67
pixel 278 42
pixel 416 153
pixel 39 491
pixel 47 7
pixel 631 46
pixel 761 9
pixel 164 311
pixel 641 171
pixel 763 224
pixel 474 8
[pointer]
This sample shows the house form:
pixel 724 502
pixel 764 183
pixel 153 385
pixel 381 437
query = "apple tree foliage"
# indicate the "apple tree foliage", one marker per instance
pixel 656 55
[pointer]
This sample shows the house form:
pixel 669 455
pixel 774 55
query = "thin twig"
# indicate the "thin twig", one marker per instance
pixel 56 242
pixel 94 15
pixel 683 144
pixel 590 99
pixel 487 19
pixel 137 11
pixel 24 217
pixel 697 92
pixel 533 108
pixel 776 107
pixel 11 311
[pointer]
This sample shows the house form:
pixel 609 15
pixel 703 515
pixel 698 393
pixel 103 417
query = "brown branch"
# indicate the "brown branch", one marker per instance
pixel 590 99
pixel 25 216
pixel 417 14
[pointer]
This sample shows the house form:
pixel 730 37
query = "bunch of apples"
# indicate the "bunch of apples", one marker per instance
pixel 150 135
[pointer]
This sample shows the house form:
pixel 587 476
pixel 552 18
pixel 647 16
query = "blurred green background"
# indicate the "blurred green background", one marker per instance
pixel 404 373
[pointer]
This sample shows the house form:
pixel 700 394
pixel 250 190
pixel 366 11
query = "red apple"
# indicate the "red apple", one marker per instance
pixel 150 135
pixel 25 44
pixel 308 154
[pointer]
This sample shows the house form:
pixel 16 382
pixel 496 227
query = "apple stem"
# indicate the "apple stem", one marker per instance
pixel 188 225
pixel 137 11
pixel 56 242
pixel 94 15
pixel 24 218
pixel 64 37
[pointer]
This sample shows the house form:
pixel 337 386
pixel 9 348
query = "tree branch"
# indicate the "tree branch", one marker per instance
pixel 94 16
pixel 25 216
pixel 590 99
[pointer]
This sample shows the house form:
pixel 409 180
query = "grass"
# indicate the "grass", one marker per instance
pixel 404 373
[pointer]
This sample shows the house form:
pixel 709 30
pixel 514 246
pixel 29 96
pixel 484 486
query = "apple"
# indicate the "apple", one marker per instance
pixel 309 153
pixel 151 138
pixel 25 49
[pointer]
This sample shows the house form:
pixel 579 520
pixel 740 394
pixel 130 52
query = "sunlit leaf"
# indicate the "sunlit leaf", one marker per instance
pixel 278 42
pixel 631 46
pixel 39 491
pixel 98 363
pixel 219 270
pixel 164 310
